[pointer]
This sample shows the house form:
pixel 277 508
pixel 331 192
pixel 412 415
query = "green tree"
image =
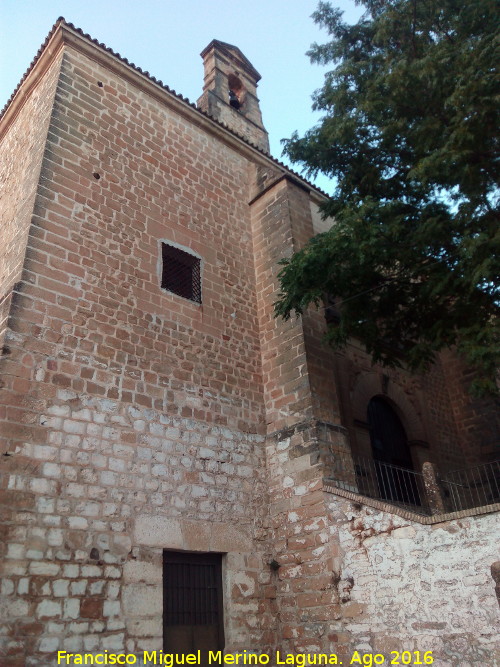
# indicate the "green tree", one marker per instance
pixel 410 137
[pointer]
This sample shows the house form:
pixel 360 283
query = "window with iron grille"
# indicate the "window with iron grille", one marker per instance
pixel 192 602
pixel 181 272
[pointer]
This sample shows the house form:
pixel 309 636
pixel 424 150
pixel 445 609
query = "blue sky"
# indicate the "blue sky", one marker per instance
pixel 165 37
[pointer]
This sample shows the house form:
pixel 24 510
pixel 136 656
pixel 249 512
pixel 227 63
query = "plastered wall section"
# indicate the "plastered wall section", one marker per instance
pixel 22 143
pixel 408 586
pixel 132 417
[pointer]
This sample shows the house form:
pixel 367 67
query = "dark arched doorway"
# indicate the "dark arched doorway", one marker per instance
pixel 387 434
pixel 391 453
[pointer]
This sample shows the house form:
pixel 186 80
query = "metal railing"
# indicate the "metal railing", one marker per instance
pixel 425 494
pixel 380 480
pixel 471 487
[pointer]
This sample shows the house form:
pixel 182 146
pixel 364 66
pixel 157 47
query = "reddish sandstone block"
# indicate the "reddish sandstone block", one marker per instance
pixel 91 608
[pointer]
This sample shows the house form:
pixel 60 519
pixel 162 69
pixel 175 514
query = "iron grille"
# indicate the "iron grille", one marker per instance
pixel 383 481
pixel 181 273
pixel 475 486
pixel 192 589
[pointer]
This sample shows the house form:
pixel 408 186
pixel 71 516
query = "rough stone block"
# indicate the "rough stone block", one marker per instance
pixel 226 537
pixel 136 571
pixel 158 531
pixel 142 600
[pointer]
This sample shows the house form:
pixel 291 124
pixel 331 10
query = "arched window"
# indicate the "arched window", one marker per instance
pixel 236 91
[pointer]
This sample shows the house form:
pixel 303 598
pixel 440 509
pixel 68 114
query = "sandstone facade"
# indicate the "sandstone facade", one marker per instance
pixel 134 420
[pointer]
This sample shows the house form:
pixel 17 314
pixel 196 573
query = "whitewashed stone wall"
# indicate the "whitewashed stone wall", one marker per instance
pixel 408 586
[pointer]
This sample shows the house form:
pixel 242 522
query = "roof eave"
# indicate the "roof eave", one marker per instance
pixel 65 34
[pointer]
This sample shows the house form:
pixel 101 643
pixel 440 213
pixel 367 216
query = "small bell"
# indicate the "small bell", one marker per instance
pixel 233 100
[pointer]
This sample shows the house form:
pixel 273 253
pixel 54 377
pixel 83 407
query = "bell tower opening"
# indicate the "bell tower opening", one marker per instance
pixel 236 91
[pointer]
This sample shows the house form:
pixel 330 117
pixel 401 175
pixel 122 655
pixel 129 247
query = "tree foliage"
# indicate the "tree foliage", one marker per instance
pixel 410 135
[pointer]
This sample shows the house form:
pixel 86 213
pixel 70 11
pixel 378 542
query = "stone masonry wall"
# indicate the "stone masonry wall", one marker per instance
pixel 133 416
pixel 478 420
pixel 21 150
pixel 287 395
pixel 422 401
pixel 305 548
pixel 351 578
pixel 296 374
pixel 408 586
pixel 134 420
pixel 91 510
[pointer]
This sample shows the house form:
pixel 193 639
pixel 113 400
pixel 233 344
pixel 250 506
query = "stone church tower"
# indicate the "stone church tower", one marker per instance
pixel 179 470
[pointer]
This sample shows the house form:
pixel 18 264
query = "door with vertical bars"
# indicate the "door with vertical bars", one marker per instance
pixel 192 603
